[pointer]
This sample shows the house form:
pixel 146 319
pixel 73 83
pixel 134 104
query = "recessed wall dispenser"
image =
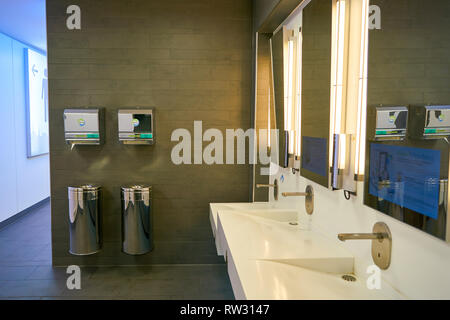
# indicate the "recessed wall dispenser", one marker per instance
pixel 431 122
pixel 82 126
pixel 136 126
pixel 391 123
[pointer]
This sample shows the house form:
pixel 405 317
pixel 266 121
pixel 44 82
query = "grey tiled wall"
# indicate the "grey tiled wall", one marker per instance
pixel 409 57
pixel 191 60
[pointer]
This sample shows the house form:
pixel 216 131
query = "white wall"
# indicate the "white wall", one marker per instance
pixel 420 263
pixel 23 181
pixel 24 20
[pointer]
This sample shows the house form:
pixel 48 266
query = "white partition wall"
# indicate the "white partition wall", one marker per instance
pixel 24 181
pixel 8 181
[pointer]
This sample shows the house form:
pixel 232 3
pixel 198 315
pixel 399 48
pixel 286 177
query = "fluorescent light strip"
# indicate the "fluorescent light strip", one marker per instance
pixel 289 94
pixel 337 81
pixel 268 120
pixel 299 97
pixel 362 98
pixel 340 65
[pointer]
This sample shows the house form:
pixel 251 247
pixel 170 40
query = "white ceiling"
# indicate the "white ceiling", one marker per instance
pixel 24 20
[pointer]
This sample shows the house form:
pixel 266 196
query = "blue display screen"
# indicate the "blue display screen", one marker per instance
pixel 408 177
pixel 314 155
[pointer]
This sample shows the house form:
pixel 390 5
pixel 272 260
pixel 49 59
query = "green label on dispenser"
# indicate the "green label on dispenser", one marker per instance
pixel 92 135
pixel 141 136
pixel 436 131
pixel 386 132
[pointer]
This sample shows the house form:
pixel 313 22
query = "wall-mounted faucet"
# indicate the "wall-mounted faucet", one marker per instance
pixel 309 198
pixel 381 243
pixel 274 186
pixel 362 236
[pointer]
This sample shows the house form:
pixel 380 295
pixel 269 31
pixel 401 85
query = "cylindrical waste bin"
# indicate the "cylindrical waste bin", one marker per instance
pixel 85 220
pixel 136 220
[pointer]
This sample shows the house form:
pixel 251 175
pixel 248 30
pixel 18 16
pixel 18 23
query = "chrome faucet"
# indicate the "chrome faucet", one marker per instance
pixel 274 186
pixel 309 198
pixel 381 243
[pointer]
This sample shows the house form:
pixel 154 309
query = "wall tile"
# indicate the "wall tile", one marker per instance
pixel 191 60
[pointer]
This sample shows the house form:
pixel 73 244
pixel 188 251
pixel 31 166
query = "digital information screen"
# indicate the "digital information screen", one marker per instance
pixel 408 177
pixel 314 155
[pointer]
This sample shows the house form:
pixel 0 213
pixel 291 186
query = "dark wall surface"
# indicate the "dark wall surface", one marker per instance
pixel 191 60
pixel 269 14
pixel 409 60
pixel 262 10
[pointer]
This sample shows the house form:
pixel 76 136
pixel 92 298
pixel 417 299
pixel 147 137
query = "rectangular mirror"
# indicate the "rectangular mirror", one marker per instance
pixel 278 52
pixel 316 83
pixel 264 114
pixel 406 174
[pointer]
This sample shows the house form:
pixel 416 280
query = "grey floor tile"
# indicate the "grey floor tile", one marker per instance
pixel 141 287
pixel 15 273
pixel 21 263
pixel 48 273
pixel 26 272
pixel 20 298
pixel 30 288
pixel 149 297
pixel 77 298
pixel 90 288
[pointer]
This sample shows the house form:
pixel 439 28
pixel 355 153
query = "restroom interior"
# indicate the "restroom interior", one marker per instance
pixel 315 79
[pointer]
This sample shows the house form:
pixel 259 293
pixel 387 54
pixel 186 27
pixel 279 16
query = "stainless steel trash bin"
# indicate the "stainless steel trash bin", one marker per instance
pixel 136 220
pixel 85 220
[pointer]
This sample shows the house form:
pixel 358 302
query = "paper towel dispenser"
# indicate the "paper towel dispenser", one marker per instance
pixel 431 122
pixel 82 126
pixel 136 126
pixel 391 123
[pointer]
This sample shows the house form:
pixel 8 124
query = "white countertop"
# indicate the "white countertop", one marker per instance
pixel 268 258
pixel 215 207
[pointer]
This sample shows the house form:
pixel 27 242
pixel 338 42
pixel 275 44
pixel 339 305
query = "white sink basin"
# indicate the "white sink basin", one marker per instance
pixel 260 238
pixel 334 265
pixel 268 258
pixel 271 280
pixel 279 215
pixel 240 206
pixel 244 218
